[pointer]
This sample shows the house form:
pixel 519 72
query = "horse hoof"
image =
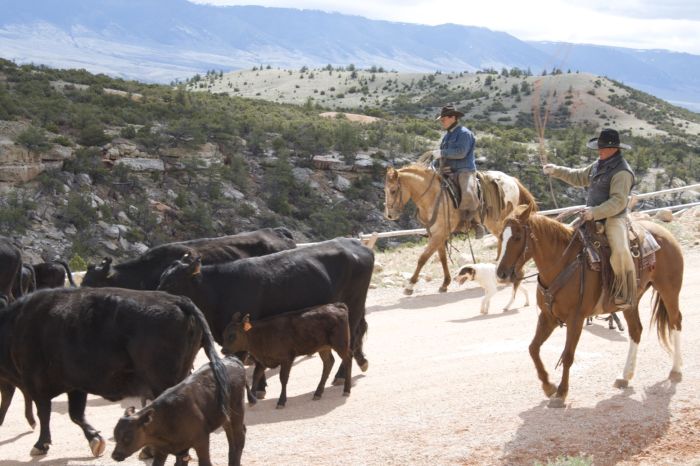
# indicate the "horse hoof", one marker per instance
pixel 260 394
pixel 621 383
pixel 338 381
pixel 675 377
pixel 443 289
pixel 280 406
pixel 36 451
pixel 549 389
pixel 98 445
pixel 317 397
pixel 407 291
pixel 364 366
pixel 32 425
pixel 556 402
pixel 346 393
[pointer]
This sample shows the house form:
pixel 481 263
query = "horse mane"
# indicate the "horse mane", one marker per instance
pixel 552 230
pixel 526 196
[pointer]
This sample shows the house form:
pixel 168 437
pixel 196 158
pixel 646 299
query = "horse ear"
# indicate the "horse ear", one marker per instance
pixel 523 211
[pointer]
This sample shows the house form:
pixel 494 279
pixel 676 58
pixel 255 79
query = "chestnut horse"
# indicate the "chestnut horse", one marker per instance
pixel 554 247
pixel 422 185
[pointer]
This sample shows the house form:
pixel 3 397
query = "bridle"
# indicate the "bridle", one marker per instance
pixel 398 199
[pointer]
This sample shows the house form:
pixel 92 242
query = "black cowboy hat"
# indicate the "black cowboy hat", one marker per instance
pixel 608 138
pixel 449 110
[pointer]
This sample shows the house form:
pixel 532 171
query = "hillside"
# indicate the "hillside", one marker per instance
pixel 93 166
pixel 507 97
pixel 165 40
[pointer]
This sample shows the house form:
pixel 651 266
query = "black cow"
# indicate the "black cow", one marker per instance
pixel 333 271
pixel 111 342
pixel 10 269
pixel 143 272
pixel 53 274
pixel 183 416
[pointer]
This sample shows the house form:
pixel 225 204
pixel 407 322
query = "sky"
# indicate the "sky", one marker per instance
pixel 638 24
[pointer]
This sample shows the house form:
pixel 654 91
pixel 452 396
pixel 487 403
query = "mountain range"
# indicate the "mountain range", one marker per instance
pixel 166 40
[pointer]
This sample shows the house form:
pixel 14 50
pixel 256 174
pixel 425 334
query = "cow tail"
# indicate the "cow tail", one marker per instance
pixel 68 272
pixel 217 366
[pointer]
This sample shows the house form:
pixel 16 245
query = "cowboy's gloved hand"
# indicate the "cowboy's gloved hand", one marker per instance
pixel 437 154
pixel 548 169
pixel 446 170
pixel 587 215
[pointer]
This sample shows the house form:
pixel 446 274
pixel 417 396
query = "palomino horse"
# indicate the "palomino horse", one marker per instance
pixel 422 185
pixel 578 291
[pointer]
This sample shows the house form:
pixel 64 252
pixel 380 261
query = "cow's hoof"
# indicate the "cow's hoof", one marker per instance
pixel 675 376
pixel 97 446
pixel 408 291
pixel 621 383
pixel 556 402
pixel 146 453
pixel 260 394
pixel 346 393
pixel 39 450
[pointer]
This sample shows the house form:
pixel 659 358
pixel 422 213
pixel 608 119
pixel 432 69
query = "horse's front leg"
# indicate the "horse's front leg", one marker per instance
pixel 545 326
pixel 634 329
pixel 425 255
pixel 446 278
pixel 574 326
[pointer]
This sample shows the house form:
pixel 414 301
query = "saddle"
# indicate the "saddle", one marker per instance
pixel 451 187
pixel 643 247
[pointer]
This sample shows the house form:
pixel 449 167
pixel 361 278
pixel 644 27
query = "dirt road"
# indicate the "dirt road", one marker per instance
pixel 448 386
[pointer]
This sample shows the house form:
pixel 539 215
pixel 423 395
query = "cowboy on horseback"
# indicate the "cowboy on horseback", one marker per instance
pixel 457 153
pixel 609 181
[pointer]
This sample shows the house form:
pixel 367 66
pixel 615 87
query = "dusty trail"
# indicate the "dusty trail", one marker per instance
pixel 449 386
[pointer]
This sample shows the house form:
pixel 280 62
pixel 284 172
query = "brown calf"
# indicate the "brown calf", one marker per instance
pixel 276 341
pixel 183 416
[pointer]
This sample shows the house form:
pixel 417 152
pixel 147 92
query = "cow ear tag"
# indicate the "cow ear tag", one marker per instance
pixel 247 326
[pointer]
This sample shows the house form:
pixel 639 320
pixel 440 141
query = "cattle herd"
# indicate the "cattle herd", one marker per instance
pixel 133 329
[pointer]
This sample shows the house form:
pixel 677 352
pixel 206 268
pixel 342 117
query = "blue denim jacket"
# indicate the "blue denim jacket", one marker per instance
pixel 457 148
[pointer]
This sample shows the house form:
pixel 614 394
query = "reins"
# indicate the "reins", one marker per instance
pixel 562 278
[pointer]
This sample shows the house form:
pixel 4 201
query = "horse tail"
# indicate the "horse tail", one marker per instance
pixel 659 313
pixel 526 196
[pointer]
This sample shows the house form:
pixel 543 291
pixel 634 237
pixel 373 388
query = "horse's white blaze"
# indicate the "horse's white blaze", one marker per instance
pixel 507 233
pixel 631 363
pixel 677 360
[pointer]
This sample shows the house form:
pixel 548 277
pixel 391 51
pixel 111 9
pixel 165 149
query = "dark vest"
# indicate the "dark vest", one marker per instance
pixel 600 177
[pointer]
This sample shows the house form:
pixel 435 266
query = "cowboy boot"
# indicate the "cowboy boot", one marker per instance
pixel 464 221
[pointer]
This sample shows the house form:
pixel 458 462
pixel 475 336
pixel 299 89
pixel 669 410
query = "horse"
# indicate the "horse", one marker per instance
pixel 568 291
pixel 423 185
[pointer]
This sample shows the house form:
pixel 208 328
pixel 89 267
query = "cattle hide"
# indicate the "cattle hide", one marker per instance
pixel 143 272
pixel 110 342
